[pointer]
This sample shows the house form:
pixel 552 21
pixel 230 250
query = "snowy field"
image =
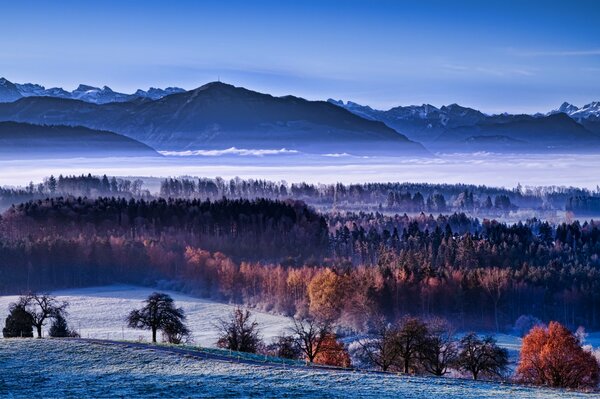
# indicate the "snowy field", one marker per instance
pixel 100 312
pixel 61 369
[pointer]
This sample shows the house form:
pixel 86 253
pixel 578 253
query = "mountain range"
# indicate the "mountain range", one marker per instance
pixel 220 116
pixel 10 92
pixel 27 141
pixel 457 128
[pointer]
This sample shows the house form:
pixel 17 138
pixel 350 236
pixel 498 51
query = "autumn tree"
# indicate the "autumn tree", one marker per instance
pixel 324 293
pixel 158 313
pixel 333 353
pixel 310 336
pixel 553 356
pixel 239 332
pixel 481 356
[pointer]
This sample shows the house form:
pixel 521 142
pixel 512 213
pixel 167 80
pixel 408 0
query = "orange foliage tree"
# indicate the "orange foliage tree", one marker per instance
pixel 553 356
pixel 333 353
pixel 325 294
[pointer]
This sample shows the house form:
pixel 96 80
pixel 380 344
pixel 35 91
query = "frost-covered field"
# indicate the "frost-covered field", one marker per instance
pixel 50 368
pixel 100 312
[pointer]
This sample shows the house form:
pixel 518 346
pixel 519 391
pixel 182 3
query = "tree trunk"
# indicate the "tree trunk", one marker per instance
pixel 154 335
pixel 496 316
pixel 39 331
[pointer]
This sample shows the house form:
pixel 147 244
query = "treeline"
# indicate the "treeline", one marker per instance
pixel 393 197
pixel 397 197
pixel 84 185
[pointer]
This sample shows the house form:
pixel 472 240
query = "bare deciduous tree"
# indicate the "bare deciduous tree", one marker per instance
pixel 482 356
pixel 310 336
pixel 239 332
pixel 440 351
pixel 411 339
pixel 41 307
pixel 382 349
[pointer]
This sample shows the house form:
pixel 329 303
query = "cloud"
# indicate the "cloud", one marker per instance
pixel 558 53
pixel 495 71
pixel 228 151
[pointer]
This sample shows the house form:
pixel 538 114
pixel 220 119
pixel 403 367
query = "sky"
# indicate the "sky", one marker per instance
pixel 497 56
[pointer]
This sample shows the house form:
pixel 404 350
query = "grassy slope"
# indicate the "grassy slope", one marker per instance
pixel 52 369
pixel 100 312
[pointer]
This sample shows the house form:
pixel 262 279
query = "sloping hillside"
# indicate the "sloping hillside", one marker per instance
pixel 60 368
pixel 100 312
pixel 24 140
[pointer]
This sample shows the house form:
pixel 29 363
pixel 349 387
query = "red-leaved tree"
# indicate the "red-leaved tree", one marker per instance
pixel 553 356
pixel 333 353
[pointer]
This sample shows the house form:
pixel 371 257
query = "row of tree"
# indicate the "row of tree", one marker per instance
pixel 404 197
pixel 409 346
pixel 83 185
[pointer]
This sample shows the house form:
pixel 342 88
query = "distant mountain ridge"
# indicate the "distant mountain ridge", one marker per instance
pixel 218 116
pixel 10 92
pixel 26 141
pixel 588 115
pixel 458 128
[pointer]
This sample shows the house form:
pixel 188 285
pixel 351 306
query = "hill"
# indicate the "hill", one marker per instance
pixel 24 140
pixel 61 368
pixel 218 116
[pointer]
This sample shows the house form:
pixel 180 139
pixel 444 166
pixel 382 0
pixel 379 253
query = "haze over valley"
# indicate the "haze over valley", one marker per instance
pixel 315 199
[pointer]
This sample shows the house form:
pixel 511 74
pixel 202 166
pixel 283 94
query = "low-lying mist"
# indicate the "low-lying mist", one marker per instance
pixel 505 170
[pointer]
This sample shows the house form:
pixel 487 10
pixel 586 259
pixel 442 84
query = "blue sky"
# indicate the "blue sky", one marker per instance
pixel 515 56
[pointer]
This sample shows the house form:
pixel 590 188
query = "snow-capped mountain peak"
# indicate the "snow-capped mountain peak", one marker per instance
pixel 85 88
pixel 10 92
pixel 589 110
pixel 567 108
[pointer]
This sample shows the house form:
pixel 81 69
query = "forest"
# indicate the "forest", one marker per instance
pixel 284 256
